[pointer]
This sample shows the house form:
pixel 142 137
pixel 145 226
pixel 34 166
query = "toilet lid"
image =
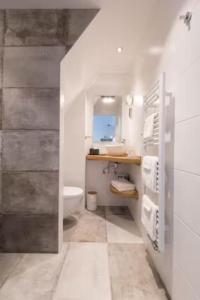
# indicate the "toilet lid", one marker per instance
pixel 71 191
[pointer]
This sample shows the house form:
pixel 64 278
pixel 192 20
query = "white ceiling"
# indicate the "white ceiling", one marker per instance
pixel 136 25
pixel 22 4
pixel 121 23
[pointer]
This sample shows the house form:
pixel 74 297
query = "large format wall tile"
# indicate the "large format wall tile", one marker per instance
pixel 1 27
pixel 32 45
pixel 187 150
pixel 77 22
pixel 182 289
pixel 30 150
pixel 186 253
pixel 30 192
pixel 1 100
pixel 1 67
pixel 32 66
pixel 186 199
pixel 34 27
pixel 28 233
pixel 30 108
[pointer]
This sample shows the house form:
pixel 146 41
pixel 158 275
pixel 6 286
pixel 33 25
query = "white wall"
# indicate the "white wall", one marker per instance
pixel 187 161
pixel 180 59
pixel 95 179
pixel 74 143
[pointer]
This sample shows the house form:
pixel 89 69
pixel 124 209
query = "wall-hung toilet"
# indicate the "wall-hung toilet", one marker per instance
pixel 72 200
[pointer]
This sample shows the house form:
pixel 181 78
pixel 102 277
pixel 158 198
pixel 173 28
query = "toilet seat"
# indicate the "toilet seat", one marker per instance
pixel 72 192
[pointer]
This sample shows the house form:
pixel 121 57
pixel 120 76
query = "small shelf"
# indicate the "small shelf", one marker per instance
pixel 128 194
pixel 120 159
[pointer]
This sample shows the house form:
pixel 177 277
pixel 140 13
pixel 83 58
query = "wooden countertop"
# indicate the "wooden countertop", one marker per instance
pixel 120 159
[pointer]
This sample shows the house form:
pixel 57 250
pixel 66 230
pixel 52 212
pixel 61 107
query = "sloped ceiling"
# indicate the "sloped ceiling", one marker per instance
pixel 138 26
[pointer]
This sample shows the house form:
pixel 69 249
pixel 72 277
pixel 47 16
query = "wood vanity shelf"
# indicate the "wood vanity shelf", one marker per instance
pixel 136 160
pixel 128 194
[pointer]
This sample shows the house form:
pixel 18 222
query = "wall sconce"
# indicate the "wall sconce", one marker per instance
pixel 129 103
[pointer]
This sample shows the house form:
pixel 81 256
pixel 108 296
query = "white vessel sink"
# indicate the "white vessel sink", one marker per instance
pixel 116 149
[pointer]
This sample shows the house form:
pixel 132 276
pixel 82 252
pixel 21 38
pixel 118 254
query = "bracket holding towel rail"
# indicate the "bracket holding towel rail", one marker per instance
pixel 156 102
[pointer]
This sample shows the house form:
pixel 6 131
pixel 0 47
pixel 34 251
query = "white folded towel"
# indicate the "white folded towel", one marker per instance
pixel 149 217
pixel 123 186
pixel 150 172
pixel 149 126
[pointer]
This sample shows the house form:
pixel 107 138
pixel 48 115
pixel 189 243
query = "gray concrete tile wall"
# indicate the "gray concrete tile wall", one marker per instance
pixel 30 192
pixel 46 27
pixel 1 100
pixel 76 23
pixel 30 150
pixel 30 233
pixel 34 27
pixel 30 108
pixel 1 27
pixel 1 67
pixel 32 44
pixel 1 135
pixel 32 66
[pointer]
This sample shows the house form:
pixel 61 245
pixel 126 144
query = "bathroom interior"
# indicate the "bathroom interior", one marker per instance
pixel 99 150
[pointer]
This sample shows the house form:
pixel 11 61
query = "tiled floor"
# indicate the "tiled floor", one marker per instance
pixel 103 258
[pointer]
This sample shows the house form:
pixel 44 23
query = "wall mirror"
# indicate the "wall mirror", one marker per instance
pixel 107 119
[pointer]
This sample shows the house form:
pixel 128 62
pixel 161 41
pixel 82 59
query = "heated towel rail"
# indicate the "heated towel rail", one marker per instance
pixel 156 102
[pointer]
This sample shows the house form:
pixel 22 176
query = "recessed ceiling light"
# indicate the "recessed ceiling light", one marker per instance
pixel 108 99
pixel 119 49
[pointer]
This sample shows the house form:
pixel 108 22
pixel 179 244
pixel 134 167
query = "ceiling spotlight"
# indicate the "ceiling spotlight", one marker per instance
pixel 119 49
pixel 108 99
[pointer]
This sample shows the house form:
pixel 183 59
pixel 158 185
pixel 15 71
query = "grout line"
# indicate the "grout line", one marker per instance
pixel 22 214
pixel 109 272
pixel 61 45
pixel 187 172
pixel 60 271
pixel 31 87
pixel 196 234
pixel 13 268
pixel 31 171
pixel 5 130
pixel 187 119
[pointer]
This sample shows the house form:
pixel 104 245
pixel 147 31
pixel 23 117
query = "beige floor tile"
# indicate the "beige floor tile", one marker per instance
pixel 117 210
pixel 91 227
pixel 8 262
pixel 122 229
pixel 131 275
pixel 34 278
pixel 69 226
pixel 85 274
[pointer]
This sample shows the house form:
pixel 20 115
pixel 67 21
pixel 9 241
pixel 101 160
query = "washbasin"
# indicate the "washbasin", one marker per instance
pixel 116 149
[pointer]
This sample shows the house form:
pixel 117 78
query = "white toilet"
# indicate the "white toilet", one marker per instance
pixel 72 200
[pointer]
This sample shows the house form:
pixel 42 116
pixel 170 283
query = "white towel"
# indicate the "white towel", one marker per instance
pixel 150 172
pixel 149 126
pixel 123 186
pixel 149 217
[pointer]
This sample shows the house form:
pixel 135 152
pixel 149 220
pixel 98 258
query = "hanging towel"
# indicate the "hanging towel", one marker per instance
pixel 123 186
pixel 149 217
pixel 150 172
pixel 149 126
